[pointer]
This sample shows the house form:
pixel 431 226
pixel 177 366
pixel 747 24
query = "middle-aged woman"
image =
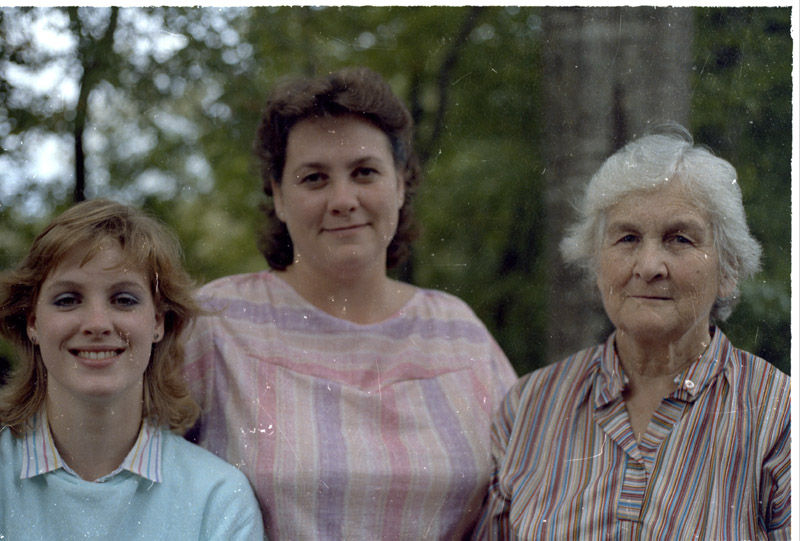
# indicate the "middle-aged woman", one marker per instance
pixel 359 406
pixel 88 448
pixel 666 430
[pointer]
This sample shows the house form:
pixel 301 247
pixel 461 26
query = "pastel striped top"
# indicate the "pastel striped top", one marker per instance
pixel 348 431
pixel 39 453
pixel 713 464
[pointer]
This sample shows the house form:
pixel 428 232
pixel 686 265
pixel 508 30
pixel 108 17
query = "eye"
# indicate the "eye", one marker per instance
pixel 364 172
pixel 313 179
pixel 628 238
pixel 680 239
pixel 66 300
pixel 125 300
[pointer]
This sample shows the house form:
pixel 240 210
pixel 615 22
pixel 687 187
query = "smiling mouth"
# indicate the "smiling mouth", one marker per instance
pixel 346 228
pixel 96 355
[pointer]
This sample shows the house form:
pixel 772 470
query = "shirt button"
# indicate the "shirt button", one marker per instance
pixel 689 384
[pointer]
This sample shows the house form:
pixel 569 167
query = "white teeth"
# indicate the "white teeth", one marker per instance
pixel 96 355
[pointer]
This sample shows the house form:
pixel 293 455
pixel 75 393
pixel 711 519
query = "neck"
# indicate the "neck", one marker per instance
pixel 655 360
pixel 651 368
pixel 93 439
pixel 363 298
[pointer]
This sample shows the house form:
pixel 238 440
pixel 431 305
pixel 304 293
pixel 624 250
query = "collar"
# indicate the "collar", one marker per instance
pixel 611 379
pixel 40 456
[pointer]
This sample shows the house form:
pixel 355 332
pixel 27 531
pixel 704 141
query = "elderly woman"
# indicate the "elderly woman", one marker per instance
pixel 359 406
pixel 90 418
pixel 666 430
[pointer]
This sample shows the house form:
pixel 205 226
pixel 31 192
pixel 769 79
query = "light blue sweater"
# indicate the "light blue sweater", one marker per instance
pixel 200 497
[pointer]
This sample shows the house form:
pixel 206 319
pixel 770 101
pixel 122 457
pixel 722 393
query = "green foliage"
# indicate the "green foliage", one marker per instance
pixel 172 130
pixel 742 110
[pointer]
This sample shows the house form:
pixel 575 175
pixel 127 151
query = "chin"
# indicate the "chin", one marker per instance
pixel 353 260
pixel 655 332
pixel 104 391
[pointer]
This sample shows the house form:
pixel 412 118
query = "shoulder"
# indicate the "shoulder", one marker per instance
pixel 205 482
pixel 193 465
pixel 755 379
pixel 242 297
pixel 10 447
pixel 442 305
pixel 436 315
pixel 451 330
pixel 235 285
pixel 439 298
pixel 563 381
pixel 540 405
pixel 577 367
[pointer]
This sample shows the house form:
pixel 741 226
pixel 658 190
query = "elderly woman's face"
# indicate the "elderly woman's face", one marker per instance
pixel 658 270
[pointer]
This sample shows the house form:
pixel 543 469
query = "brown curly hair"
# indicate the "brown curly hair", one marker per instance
pixel 146 244
pixel 350 91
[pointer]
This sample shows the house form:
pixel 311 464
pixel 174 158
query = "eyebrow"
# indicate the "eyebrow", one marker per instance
pixel 69 284
pixel 353 163
pixel 680 224
pixel 364 159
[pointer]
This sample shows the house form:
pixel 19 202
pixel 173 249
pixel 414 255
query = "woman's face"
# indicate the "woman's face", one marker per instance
pixel 658 269
pixel 95 325
pixel 339 195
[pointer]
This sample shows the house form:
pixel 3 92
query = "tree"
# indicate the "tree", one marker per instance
pixel 611 72
pixel 97 60
pixel 170 127
pixel 741 108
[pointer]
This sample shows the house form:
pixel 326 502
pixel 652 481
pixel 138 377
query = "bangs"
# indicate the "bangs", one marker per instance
pixel 137 251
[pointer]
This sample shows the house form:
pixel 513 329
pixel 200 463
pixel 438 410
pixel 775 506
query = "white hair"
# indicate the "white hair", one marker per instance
pixel 646 164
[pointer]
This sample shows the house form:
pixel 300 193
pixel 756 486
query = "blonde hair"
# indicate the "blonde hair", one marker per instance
pixel 147 245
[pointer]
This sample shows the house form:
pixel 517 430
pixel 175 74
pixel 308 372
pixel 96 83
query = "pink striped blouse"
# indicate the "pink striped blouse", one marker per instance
pixel 714 463
pixel 349 431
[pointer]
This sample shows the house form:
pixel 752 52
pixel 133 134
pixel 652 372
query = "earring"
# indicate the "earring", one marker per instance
pixel 156 337
pixel 32 336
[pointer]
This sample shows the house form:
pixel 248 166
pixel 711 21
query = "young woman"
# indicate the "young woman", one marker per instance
pixel 91 415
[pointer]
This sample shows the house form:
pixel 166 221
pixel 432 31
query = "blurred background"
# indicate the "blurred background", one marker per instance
pixel 515 108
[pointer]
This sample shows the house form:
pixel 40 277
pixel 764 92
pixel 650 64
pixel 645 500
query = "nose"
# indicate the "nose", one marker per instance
pixel 97 320
pixel 650 263
pixel 344 197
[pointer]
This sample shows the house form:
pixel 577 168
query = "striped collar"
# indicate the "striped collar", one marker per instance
pixel 39 453
pixel 612 380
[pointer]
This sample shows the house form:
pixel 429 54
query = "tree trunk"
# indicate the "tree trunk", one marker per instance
pixel 96 58
pixel 609 73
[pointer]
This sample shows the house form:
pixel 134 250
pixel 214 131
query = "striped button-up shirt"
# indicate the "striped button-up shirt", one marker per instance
pixel 713 464
pixel 40 456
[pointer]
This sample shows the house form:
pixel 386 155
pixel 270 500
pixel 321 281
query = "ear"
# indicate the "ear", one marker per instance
pixel 277 199
pixel 401 189
pixel 158 330
pixel 727 286
pixel 33 336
